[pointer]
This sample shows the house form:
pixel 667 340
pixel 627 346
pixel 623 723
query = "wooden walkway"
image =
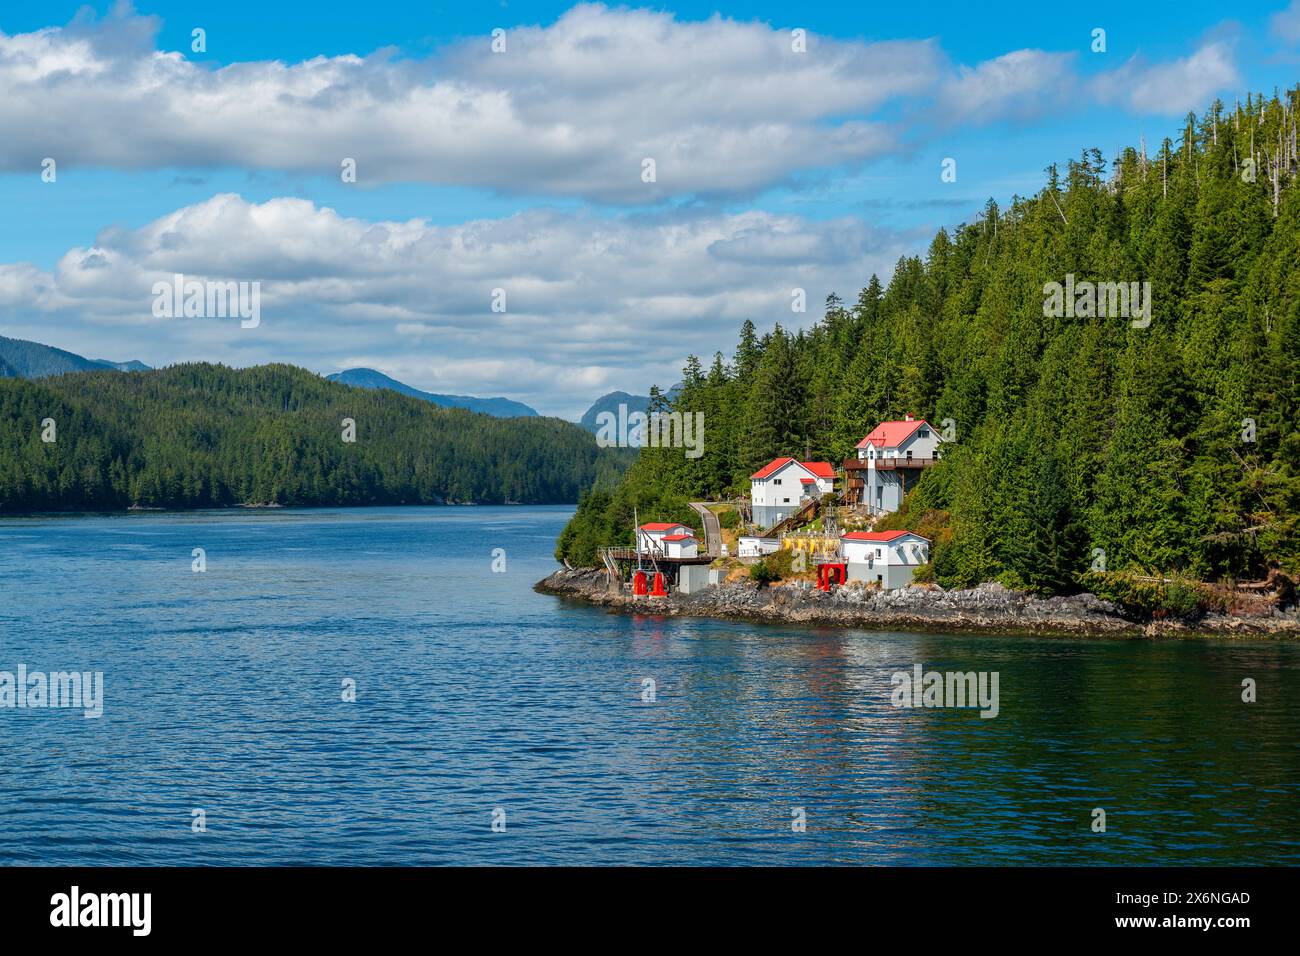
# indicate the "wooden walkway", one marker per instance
pixel 712 529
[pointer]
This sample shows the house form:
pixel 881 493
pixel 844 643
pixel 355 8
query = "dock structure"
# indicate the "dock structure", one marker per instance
pixel 663 549
pixel 625 561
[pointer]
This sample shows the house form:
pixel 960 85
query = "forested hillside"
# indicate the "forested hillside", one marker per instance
pixel 24 359
pixel 1072 433
pixel 206 435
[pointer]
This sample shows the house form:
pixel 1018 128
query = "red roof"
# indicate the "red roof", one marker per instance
pixel 807 481
pixel 679 537
pixel 892 434
pixel 878 535
pixel 662 526
pixel 773 465
pixel 821 469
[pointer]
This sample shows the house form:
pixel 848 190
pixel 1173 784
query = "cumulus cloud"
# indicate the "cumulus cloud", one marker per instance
pixel 1020 85
pixel 593 303
pixel 570 109
pixel 1173 88
pixel 1285 24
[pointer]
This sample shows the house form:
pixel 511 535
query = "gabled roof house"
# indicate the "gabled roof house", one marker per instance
pixel 780 487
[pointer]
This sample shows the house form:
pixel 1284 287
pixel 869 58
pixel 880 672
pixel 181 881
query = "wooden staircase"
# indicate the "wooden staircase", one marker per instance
pixel 805 514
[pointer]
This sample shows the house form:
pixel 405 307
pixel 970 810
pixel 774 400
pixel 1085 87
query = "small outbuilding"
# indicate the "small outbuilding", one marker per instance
pixel 754 546
pixel 680 546
pixel 884 558
pixel 650 537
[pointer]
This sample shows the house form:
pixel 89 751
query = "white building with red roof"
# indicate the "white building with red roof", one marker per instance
pixel 655 537
pixel 890 461
pixel 681 546
pixel 780 488
pixel 884 558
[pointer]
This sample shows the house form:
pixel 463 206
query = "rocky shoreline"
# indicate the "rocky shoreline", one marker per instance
pixel 988 609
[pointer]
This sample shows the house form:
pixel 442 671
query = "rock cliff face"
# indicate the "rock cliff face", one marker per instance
pixel 990 608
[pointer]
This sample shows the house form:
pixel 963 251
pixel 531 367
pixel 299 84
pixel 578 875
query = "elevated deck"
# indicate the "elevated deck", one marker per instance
pixel 855 469
pixel 889 464
pixel 629 554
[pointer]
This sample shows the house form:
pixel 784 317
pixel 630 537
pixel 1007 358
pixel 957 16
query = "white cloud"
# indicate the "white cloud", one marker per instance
pixel 1285 24
pixel 570 109
pixel 1022 85
pixel 1172 88
pixel 593 303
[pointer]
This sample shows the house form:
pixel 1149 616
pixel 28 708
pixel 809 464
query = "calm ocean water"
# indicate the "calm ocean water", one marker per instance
pixel 223 693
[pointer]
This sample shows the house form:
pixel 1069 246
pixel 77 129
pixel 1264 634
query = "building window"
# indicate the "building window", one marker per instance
pixel 924 433
pixel 776 481
pixel 785 501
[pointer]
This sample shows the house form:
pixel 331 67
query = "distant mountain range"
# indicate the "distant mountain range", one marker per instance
pixel 131 366
pixel 498 407
pixel 22 359
pixel 611 402
pixel 32 360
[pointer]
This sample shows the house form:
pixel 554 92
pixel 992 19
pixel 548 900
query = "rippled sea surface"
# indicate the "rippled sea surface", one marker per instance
pixel 223 693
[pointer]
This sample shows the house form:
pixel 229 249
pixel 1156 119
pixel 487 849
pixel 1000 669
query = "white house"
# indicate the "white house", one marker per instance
pixel 779 488
pixel 680 546
pixel 650 537
pixel 891 459
pixel 886 558
pixel 753 546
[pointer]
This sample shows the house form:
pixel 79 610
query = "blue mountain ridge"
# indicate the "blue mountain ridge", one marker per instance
pixel 22 359
pixel 498 407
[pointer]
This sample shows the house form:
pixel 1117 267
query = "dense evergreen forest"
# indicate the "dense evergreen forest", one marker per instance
pixel 206 435
pixel 1072 433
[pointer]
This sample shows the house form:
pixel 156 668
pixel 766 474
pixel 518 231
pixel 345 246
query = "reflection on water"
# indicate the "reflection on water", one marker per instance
pixel 223 693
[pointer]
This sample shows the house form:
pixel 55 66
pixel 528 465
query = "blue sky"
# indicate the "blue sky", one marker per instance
pixel 519 170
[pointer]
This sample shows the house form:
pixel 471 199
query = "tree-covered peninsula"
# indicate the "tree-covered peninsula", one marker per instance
pixel 1168 444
